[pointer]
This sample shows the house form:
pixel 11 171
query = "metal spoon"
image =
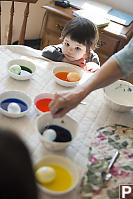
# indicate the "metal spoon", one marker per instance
pixel 107 175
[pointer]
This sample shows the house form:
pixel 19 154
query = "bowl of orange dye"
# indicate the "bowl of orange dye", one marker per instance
pixel 67 75
pixel 42 102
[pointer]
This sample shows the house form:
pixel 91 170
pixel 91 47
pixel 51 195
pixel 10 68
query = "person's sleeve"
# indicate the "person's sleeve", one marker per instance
pixel 53 53
pixel 124 58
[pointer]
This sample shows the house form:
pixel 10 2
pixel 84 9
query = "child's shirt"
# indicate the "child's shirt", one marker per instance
pixel 54 53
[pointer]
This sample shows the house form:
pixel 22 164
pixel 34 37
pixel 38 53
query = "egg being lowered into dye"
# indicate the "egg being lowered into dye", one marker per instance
pixel 45 174
pixel 13 108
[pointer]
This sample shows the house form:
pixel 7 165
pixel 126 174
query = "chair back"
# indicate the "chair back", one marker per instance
pixel 23 27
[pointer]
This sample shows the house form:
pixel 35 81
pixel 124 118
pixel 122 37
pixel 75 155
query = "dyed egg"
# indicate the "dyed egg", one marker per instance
pixel 49 135
pixel 62 180
pixel 15 69
pixel 73 76
pixel 13 108
pixel 45 174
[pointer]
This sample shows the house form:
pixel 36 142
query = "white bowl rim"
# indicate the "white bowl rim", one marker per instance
pixel 128 106
pixel 17 77
pixel 73 165
pixel 14 114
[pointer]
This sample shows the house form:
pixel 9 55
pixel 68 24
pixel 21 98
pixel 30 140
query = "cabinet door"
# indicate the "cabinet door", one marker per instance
pixel 50 39
pixel 107 44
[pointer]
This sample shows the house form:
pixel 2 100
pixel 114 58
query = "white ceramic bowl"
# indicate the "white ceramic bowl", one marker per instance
pixel 63 162
pixel 66 122
pixel 39 97
pixel 22 62
pixel 119 96
pixel 15 95
pixel 67 68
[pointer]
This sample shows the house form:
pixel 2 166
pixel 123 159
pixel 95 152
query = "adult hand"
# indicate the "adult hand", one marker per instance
pixel 64 102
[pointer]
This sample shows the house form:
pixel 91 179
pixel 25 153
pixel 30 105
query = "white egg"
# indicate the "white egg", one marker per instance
pixel 15 69
pixel 13 108
pixel 49 134
pixel 45 174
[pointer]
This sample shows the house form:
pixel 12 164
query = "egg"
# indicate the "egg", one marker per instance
pixel 49 134
pixel 15 69
pixel 73 77
pixel 45 174
pixel 13 108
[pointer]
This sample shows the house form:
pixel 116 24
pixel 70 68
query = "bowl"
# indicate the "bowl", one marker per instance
pixel 66 122
pixel 27 69
pixel 63 162
pixel 22 100
pixel 67 68
pixel 119 96
pixel 42 101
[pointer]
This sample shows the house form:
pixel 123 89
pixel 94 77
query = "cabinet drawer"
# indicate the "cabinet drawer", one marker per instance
pixel 107 45
pixel 55 23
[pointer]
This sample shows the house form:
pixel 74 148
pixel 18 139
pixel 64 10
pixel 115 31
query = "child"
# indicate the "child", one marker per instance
pixel 17 179
pixel 80 37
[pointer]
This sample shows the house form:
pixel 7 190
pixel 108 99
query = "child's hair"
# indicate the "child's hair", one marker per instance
pixel 82 31
pixel 17 179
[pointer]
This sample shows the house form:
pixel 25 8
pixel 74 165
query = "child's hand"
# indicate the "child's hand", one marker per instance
pixel 92 67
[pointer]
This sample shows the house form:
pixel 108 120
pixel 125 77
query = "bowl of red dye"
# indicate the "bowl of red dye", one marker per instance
pixel 67 75
pixel 42 102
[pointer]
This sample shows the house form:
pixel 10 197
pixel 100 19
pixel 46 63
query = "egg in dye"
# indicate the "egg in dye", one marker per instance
pixel 13 108
pixel 15 69
pixel 68 76
pixel 49 135
pixel 62 181
pixel 45 174
pixel 73 76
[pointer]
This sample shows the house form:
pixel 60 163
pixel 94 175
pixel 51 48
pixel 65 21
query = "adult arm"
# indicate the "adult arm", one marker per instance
pixel 119 65
pixel 65 101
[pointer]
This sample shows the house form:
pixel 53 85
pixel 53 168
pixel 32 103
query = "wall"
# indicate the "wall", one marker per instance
pixel 122 5
pixel 33 24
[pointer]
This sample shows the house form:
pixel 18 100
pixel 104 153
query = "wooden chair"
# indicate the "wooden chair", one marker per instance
pixel 23 27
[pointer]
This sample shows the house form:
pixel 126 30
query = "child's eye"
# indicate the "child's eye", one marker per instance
pixel 77 48
pixel 67 44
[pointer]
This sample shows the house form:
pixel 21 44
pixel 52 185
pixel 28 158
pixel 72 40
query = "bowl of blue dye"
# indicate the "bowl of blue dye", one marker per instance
pixel 56 134
pixel 21 69
pixel 14 104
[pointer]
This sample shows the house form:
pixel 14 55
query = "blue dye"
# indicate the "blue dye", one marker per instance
pixel 62 134
pixel 4 104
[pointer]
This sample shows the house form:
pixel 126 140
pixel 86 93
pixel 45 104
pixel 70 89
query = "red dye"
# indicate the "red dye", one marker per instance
pixel 43 104
pixel 62 75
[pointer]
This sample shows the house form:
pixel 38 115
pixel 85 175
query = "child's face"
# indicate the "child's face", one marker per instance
pixel 73 50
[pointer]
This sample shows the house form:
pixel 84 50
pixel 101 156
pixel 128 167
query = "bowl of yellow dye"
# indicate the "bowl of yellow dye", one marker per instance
pixel 56 175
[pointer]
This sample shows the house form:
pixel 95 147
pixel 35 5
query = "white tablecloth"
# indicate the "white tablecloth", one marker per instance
pixel 90 117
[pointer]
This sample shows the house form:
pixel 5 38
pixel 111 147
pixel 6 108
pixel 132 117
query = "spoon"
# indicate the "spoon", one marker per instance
pixel 107 175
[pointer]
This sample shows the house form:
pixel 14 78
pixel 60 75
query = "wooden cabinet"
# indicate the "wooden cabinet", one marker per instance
pixel 111 38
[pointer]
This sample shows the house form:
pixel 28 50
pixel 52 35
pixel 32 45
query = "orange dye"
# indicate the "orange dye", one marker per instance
pixel 62 75
pixel 43 104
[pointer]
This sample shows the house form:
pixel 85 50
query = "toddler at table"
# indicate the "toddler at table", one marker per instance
pixel 80 37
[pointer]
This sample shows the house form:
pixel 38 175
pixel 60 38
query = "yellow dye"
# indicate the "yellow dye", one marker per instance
pixel 62 181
